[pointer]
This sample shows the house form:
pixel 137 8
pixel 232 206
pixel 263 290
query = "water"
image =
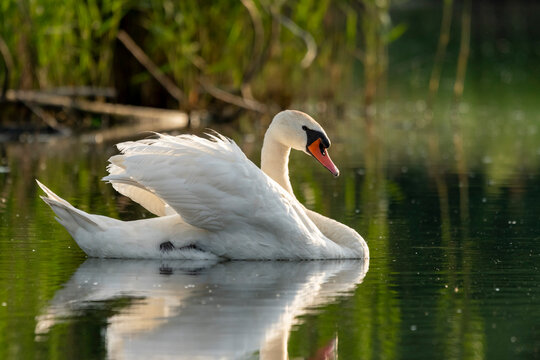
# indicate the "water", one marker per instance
pixel 453 273
pixel 190 309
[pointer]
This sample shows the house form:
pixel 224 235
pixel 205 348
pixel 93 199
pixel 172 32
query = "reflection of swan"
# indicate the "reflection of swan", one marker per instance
pixel 226 310
pixel 213 202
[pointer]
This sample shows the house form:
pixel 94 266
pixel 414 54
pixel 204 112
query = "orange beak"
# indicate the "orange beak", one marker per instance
pixel 321 154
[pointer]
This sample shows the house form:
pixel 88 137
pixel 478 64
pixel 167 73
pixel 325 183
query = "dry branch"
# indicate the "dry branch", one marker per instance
pixel 258 40
pixel 47 119
pixel 81 91
pixel 444 37
pixel 227 97
pixel 156 72
pixel 139 112
pixel 311 45
pixel 8 66
pixel 464 49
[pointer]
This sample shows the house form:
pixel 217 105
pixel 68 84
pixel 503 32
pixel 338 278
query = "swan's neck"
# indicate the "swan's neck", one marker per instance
pixel 275 161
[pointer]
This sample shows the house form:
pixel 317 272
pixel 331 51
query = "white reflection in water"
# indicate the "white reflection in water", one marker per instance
pixel 194 309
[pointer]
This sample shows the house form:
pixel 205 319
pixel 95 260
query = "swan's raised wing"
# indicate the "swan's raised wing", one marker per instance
pixel 209 182
pixel 138 193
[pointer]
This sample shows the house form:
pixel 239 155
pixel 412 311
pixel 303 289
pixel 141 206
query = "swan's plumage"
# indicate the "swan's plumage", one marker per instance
pixel 209 195
pixel 234 193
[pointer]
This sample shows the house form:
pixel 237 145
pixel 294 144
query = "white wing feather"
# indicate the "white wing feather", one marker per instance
pixel 209 182
pixel 138 193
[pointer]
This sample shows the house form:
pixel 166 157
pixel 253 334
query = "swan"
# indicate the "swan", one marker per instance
pixel 212 202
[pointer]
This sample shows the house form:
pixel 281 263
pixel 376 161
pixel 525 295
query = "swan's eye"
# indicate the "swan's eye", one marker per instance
pixel 314 136
pixel 322 148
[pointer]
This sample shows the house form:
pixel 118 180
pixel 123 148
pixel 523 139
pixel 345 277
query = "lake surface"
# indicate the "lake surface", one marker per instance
pixel 454 268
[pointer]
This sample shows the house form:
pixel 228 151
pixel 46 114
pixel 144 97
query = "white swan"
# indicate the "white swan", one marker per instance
pixel 213 202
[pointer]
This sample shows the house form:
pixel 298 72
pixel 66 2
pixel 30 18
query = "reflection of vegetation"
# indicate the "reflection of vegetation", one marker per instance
pixel 36 254
pixel 89 327
pixel 374 305
pixel 438 294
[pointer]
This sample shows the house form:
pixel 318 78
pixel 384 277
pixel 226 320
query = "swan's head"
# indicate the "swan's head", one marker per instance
pixel 299 131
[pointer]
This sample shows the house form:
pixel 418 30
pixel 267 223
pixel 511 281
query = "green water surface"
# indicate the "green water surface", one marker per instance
pixel 453 270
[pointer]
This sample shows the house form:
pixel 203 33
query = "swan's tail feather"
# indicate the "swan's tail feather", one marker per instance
pixel 67 215
pixel 51 195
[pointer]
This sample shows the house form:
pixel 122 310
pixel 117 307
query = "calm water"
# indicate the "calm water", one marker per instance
pixel 453 274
